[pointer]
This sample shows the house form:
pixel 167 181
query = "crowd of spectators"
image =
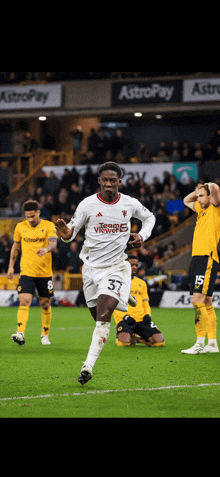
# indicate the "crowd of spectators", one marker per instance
pixel 107 144
pixel 103 145
pixel 60 197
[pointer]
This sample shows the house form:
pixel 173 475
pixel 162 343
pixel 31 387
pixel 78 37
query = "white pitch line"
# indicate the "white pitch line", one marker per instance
pixel 106 391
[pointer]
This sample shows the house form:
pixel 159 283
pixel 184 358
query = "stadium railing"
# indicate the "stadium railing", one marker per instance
pixel 23 167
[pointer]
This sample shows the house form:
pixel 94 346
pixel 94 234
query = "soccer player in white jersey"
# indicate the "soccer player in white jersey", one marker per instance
pixel 106 273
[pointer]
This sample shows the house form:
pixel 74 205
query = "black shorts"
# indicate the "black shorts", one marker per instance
pixel 145 329
pixel 44 285
pixel 203 274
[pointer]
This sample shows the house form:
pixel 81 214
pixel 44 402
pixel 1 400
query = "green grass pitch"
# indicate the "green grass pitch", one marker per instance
pixel 127 382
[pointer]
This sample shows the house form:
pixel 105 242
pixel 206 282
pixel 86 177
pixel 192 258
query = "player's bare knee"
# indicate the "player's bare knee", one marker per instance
pixel 158 338
pixel 198 298
pixel 24 301
pixel 105 308
pixel 124 337
pixel 104 315
pixel 45 303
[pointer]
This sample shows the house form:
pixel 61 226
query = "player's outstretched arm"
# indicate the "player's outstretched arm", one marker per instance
pixel 63 230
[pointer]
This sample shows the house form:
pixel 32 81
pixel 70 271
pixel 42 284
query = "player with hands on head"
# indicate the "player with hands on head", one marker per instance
pixel 205 201
pixel 106 271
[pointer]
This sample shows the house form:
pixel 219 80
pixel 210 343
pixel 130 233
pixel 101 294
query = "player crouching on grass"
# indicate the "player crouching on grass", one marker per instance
pixel 36 238
pixel 137 321
pixel 205 201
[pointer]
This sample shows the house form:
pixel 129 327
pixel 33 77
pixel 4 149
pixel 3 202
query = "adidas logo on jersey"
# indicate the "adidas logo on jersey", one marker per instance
pixel 99 214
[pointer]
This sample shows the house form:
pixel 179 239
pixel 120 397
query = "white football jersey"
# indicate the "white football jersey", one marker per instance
pixel 107 227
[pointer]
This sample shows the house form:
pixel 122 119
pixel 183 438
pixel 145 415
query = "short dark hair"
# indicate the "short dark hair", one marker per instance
pixel 112 166
pixel 30 205
pixel 133 257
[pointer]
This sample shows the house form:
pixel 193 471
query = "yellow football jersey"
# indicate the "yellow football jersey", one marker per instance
pixel 32 239
pixel 207 231
pixel 139 290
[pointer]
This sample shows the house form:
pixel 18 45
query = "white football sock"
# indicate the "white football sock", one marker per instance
pixel 212 342
pixel 201 341
pixel 99 337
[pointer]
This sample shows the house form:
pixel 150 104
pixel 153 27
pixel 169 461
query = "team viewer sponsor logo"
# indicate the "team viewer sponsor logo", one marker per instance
pixel 111 228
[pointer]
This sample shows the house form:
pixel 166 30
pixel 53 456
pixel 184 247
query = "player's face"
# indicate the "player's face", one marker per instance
pixel 134 266
pixel 203 199
pixel 109 183
pixel 33 217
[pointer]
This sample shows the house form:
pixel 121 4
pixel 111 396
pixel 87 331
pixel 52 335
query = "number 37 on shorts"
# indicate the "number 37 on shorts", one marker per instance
pixel 114 285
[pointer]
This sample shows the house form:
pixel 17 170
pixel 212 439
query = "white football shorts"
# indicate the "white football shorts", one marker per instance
pixel 114 281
